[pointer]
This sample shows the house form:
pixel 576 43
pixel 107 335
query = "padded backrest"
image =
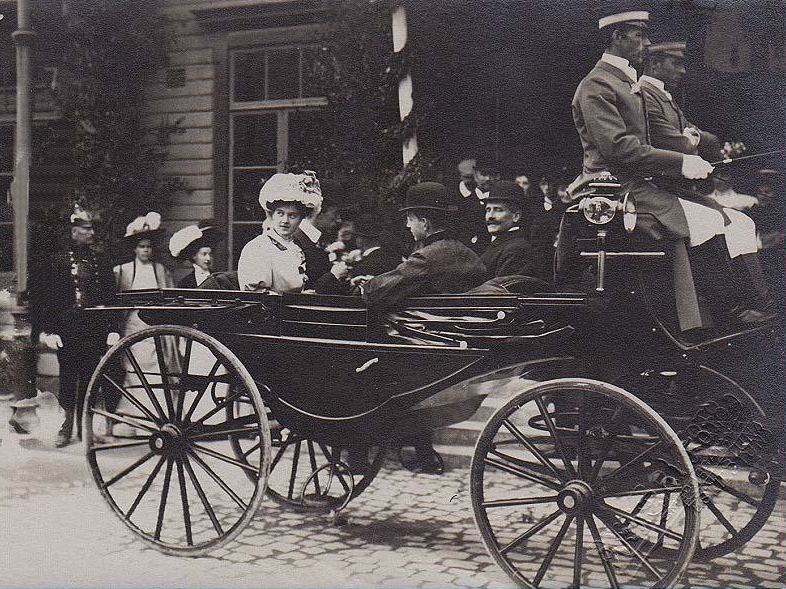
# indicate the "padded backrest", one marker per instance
pixel 324 316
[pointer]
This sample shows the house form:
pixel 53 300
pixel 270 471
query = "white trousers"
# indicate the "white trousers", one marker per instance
pixel 704 223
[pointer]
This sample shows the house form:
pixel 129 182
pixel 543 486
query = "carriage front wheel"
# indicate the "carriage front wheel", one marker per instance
pixel 559 478
pixel 170 473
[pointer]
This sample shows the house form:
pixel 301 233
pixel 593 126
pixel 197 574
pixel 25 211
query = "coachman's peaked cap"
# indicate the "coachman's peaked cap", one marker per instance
pixel 429 196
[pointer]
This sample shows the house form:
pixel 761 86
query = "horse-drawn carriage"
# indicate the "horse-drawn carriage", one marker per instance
pixel 594 475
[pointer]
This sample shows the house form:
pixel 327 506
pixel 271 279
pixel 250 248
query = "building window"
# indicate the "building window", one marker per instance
pixel 273 98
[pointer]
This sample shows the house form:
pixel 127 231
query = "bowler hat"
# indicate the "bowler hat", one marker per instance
pixel 368 225
pixel 505 190
pixel 430 196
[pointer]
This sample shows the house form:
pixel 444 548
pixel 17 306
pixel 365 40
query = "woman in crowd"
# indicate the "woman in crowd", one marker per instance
pixel 195 243
pixel 273 260
pixel 142 272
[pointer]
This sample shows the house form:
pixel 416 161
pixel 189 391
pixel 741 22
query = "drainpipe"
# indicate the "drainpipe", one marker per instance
pixel 16 338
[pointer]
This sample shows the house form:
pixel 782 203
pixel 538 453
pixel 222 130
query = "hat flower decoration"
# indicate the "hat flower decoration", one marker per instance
pixel 301 188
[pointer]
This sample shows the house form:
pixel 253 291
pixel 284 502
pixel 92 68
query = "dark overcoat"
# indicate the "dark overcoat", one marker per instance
pixel 442 265
pixel 188 281
pixel 375 263
pixel 511 254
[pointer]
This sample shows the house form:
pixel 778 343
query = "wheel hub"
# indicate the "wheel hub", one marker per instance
pixel 574 497
pixel 169 441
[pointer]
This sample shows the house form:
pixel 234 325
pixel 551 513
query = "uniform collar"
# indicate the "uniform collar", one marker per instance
pixel 480 194
pixel 464 190
pixel 310 231
pixel 508 232
pixel 441 234
pixel 621 64
pixel 657 84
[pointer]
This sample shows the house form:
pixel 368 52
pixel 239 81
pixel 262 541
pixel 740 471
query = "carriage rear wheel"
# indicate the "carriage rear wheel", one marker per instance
pixel 311 475
pixel 172 478
pixel 556 495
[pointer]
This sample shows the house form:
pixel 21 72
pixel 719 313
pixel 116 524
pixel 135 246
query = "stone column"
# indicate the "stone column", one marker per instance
pixel 16 335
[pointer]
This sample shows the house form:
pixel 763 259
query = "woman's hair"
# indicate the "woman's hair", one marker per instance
pixel 274 204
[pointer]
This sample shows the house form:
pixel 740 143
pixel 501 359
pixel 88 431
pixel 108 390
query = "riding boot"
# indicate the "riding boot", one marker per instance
pixel 711 269
pixel 64 435
pixel 758 305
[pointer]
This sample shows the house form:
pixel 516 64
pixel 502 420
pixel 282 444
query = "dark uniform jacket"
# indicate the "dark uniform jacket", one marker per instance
pixel 317 262
pixel 441 265
pixel 510 254
pixel 469 223
pixel 610 117
pixel 667 121
pixel 59 294
pixel 375 263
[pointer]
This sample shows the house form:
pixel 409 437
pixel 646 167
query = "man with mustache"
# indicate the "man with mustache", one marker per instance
pixel 510 252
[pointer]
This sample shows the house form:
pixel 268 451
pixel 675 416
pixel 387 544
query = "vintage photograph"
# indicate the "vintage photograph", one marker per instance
pixel 393 293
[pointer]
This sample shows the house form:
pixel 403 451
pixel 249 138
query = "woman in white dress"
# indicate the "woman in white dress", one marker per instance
pixel 272 260
pixel 140 273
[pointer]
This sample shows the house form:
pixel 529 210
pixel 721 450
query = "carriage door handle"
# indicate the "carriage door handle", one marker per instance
pixel 366 365
pixel 601 261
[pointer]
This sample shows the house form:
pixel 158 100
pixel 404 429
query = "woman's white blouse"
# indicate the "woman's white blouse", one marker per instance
pixel 270 261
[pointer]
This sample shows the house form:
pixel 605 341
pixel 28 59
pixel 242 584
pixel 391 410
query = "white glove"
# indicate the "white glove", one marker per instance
pixel 340 270
pixel 695 167
pixel 112 338
pixel 51 340
pixel 693 135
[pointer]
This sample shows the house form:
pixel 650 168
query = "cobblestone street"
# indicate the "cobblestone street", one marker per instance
pixel 405 530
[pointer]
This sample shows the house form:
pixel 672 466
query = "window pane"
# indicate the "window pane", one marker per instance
pixel 304 127
pixel 242 234
pixel 249 82
pixel 245 194
pixel 255 140
pixel 283 74
pixel 312 83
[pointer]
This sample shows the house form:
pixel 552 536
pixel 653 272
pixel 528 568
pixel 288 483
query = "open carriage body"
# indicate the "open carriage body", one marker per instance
pixel 595 476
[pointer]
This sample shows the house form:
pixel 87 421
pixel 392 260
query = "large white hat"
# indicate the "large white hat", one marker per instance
pixel 186 242
pixel 148 225
pixel 303 188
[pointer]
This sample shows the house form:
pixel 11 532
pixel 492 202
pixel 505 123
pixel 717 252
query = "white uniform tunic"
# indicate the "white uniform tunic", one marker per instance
pixel 270 261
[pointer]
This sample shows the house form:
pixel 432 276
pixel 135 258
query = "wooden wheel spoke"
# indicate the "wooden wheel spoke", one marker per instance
pixel 220 431
pixel 225 458
pixel 643 523
pixel 581 444
pixel 707 500
pixel 522 439
pixel 601 548
pixel 578 553
pixel 293 472
pixel 518 502
pixel 202 497
pixel 145 487
pixel 606 446
pixel 146 385
pixel 313 460
pixel 256 446
pixel 514 469
pixel 636 459
pixel 118 445
pixel 552 550
pixel 201 392
pixel 218 480
pixel 185 362
pixel 717 481
pixel 557 442
pixel 162 503
pixel 184 501
pixel 165 377
pixel 639 556
pixel 122 419
pixel 214 410
pixel 131 399
pixel 648 491
pixel 530 532
pixel 337 471
pixel 281 450
pixel 136 464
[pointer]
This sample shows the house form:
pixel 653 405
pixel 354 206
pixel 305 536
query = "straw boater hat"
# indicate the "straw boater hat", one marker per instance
pixel 622 11
pixel 301 188
pixel 187 241
pixel 144 227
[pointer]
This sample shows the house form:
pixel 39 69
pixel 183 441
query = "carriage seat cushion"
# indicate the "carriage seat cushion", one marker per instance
pixel 221 281
pixel 516 284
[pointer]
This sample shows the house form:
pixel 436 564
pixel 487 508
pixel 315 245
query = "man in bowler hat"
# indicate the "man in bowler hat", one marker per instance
pixel 74 278
pixel 440 264
pixel 509 252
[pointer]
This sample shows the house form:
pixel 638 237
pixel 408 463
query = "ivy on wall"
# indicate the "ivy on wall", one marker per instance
pixel 359 136
pixel 109 52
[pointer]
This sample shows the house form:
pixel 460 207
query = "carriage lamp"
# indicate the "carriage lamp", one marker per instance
pixel 629 215
pixel 598 210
